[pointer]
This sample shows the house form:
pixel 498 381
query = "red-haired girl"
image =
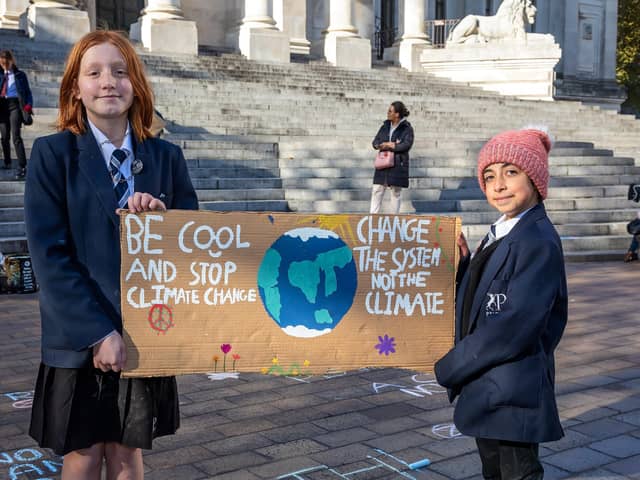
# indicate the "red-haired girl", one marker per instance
pixel 103 158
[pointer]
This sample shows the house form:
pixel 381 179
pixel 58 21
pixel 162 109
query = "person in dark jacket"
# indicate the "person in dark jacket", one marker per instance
pixel 395 135
pixel 511 311
pixel 15 95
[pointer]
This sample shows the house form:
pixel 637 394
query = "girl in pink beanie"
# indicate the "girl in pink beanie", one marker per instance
pixel 511 311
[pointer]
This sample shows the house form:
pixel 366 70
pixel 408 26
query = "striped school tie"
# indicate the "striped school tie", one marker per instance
pixel 120 185
pixel 491 237
pixel 488 239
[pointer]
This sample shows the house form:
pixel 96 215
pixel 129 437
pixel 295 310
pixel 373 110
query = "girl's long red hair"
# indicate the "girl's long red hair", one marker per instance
pixel 71 114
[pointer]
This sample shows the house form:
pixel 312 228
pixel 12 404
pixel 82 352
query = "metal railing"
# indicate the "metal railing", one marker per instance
pixel 438 30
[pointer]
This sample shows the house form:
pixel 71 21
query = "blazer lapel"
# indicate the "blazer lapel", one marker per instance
pixel 143 181
pixel 92 165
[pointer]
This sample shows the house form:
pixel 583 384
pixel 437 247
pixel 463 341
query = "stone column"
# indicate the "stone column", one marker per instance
pixel 342 45
pixel 610 40
pixel 414 39
pixel 54 21
pixel 163 28
pixel 259 39
pixel 10 11
pixel 291 18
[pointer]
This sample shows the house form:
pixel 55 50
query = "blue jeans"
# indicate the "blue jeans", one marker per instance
pixel 635 242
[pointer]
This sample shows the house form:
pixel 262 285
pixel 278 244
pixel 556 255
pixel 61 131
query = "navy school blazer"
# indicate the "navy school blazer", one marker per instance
pixel 74 235
pixel 503 370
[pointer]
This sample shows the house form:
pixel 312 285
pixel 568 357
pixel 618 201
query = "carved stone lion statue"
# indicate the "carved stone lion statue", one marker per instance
pixel 508 23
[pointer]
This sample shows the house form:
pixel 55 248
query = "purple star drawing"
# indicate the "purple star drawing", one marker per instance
pixel 387 345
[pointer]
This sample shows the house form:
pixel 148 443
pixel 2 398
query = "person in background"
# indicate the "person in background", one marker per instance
pixel 511 311
pixel 15 95
pixel 103 159
pixel 632 252
pixel 395 135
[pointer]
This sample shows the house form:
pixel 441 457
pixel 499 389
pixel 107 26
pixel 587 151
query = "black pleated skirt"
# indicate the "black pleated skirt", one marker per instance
pixel 77 408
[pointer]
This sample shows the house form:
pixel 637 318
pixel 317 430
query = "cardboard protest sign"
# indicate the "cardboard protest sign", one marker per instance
pixel 284 293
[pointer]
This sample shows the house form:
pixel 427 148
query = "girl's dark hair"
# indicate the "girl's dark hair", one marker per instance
pixel 7 55
pixel 400 108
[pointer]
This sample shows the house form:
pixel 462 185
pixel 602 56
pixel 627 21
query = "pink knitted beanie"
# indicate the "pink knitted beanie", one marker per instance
pixel 526 149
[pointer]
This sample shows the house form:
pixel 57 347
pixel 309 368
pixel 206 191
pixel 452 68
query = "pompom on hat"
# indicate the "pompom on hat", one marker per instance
pixel 528 149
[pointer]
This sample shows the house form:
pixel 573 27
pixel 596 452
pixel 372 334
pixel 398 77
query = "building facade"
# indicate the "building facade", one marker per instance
pixel 350 33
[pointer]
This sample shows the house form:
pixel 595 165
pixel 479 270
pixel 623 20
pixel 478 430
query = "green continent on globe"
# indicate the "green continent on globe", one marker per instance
pixel 329 261
pixel 306 274
pixel 268 281
pixel 323 316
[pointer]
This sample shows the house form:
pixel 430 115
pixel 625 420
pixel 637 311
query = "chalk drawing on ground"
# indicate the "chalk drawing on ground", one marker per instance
pixel 20 399
pixel 381 461
pixel 446 431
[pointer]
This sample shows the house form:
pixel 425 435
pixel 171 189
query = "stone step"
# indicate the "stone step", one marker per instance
pixel 354 172
pixel 246 206
pixel 594 256
pixel 199 157
pixel 558 217
pixel 418 160
pixel 12 214
pixel 618 243
pixel 11 187
pixel 233 172
pixel 361 148
pixel 220 144
pixel 222 183
pixel 13 245
pixel 478 231
pixel 12 229
pixel 236 195
pixel 11 200
pixel 551 204
pixel 439 195
pixel 600 242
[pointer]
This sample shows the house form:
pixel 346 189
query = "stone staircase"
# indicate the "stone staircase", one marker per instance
pixel 297 137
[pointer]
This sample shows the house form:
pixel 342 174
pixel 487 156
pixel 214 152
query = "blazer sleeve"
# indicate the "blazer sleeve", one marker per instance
pixel 406 141
pixel 184 196
pixel 67 289
pixel 379 138
pixel 532 291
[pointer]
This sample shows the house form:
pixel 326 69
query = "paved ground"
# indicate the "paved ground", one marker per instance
pixel 368 424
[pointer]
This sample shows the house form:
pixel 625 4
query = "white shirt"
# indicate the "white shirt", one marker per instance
pixel 107 148
pixel 503 226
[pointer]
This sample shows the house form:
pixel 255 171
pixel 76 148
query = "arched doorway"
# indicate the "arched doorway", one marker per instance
pixel 117 14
